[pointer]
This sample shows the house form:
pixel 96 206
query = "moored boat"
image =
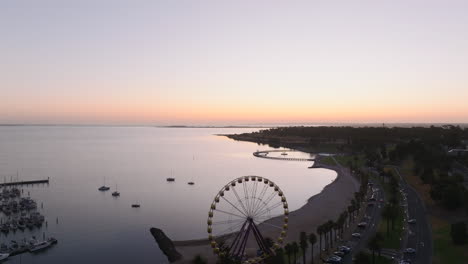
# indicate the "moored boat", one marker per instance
pixel 4 256
pixel 39 246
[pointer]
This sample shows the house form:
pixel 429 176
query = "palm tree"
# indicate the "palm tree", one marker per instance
pixel 288 251
pixel 374 245
pixel 354 207
pixel 295 250
pixel 337 227
pixel 304 244
pixel 350 216
pixel 345 216
pixel 387 215
pixel 325 237
pixel 320 232
pixel 330 225
pixel 312 240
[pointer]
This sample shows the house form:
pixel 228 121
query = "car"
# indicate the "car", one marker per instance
pixel 404 261
pixel 410 250
pixel 412 221
pixel 339 253
pixel 333 259
pixel 356 235
pixel 362 224
pixel 344 249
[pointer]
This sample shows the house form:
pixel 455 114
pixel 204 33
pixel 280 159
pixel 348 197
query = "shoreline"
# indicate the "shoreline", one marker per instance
pixel 328 204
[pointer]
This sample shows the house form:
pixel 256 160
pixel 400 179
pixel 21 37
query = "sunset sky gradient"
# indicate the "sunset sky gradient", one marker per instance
pixel 233 62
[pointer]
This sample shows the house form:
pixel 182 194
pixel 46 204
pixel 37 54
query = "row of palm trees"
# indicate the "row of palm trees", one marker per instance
pixel 292 249
pixel 330 231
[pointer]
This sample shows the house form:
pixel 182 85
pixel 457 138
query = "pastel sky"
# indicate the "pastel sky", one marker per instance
pixel 239 62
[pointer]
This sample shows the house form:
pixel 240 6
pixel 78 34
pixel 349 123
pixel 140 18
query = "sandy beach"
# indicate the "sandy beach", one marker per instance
pixel 327 205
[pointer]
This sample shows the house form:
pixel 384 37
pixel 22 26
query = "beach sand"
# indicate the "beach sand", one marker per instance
pixel 327 205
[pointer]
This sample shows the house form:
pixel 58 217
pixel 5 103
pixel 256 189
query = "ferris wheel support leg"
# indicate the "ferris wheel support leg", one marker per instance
pixel 241 251
pixel 235 242
pixel 260 239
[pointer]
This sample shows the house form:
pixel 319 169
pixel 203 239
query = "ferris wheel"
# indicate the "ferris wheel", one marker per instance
pixel 238 225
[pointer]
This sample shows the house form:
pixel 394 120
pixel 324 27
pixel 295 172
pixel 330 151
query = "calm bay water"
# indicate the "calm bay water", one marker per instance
pixel 93 226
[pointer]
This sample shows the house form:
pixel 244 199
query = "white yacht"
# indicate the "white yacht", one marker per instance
pixel 4 256
pixel 39 246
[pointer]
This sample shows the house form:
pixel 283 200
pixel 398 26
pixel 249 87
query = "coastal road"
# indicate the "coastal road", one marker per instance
pixel 419 235
pixel 372 217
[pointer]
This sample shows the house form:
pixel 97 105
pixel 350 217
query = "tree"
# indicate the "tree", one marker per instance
pixel 361 258
pixel 350 214
pixel 452 197
pixel 295 250
pixel 198 260
pixel 303 244
pixel 330 225
pixel 320 232
pixel 458 233
pixel 288 251
pixel 277 258
pixel 387 214
pixel 374 245
pixel 312 240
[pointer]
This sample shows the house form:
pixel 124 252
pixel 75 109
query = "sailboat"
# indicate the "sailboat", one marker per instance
pixel 104 187
pixel 115 193
pixel 170 179
pixel 136 205
pixel 191 181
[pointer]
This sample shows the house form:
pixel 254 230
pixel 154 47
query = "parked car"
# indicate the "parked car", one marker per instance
pixel 339 253
pixel 356 235
pixel 344 249
pixel 410 250
pixel 362 224
pixel 333 259
pixel 412 221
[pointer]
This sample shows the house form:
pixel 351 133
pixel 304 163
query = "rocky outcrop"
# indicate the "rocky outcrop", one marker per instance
pixel 166 245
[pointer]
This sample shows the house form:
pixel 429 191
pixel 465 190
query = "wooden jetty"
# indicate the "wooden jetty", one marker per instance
pixel 24 182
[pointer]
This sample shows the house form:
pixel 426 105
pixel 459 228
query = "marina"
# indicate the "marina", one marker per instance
pixel 20 215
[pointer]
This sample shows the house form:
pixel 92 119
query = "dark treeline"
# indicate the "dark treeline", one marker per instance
pixel 360 137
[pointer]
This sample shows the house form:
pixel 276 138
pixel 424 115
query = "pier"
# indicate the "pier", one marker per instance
pixel 264 153
pixel 24 182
